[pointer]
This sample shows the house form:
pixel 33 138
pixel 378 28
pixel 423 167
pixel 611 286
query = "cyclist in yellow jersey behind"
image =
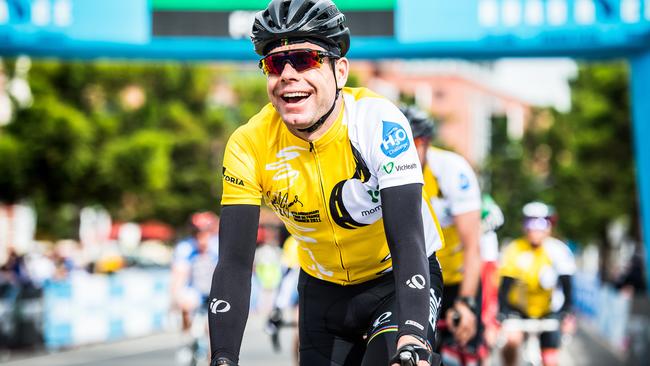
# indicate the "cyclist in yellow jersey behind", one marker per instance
pixel 451 186
pixel 339 167
pixel 531 268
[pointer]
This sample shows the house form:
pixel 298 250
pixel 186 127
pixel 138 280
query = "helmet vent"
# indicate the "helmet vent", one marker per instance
pixel 318 20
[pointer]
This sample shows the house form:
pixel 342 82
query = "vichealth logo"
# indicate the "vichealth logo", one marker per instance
pixel 390 167
pixel 395 139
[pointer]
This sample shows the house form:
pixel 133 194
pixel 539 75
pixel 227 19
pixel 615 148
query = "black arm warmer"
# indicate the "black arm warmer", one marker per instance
pixel 567 290
pixel 504 288
pixel 405 235
pixel 231 281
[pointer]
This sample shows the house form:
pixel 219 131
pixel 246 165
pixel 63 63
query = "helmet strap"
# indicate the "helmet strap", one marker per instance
pixel 321 120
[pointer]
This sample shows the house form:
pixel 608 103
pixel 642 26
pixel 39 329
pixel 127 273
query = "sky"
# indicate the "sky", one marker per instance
pixel 541 82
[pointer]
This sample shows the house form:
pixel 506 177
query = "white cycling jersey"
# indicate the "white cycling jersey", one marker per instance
pixel 452 189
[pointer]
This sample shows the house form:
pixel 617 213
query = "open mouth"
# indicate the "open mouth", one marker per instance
pixel 295 97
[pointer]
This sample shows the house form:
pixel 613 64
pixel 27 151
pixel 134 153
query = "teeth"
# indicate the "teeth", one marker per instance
pixel 295 95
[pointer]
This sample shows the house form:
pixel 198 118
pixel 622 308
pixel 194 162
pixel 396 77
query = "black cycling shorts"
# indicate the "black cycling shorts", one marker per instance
pixel 356 324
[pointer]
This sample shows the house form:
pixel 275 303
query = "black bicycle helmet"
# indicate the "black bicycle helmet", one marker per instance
pixel 421 124
pixel 292 21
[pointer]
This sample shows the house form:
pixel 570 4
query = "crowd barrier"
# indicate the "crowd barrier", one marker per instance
pixel 99 308
pixel 604 309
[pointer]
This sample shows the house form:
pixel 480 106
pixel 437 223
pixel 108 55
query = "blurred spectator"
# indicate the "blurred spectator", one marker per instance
pixel 632 278
pixel 40 266
pixel 15 271
pixel 21 326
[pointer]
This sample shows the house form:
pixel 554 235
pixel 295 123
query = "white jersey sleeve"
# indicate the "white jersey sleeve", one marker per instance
pixel 456 179
pixel 386 141
pixel 563 261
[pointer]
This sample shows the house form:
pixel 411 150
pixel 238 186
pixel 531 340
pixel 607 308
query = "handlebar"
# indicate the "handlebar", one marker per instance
pixel 531 325
pixel 273 326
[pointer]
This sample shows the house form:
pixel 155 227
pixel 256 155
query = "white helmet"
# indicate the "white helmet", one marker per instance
pixel 538 216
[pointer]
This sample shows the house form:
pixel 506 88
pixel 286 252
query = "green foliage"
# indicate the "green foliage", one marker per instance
pixel 12 168
pixel 251 89
pixel 594 172
pixel 143 140
pixel 507 177
pixel 581 161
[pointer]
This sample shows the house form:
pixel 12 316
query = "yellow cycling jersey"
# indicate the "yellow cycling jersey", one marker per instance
pixel 451 187
pixel 327 191
pixel 535 271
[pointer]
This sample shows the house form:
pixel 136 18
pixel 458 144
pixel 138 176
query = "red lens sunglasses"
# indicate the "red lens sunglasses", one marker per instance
pixel 301 60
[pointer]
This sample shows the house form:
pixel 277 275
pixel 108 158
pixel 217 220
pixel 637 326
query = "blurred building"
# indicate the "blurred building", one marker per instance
pixel 462 96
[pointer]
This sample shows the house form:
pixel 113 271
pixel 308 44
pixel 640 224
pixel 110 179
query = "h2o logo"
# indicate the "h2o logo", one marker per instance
pixel 395 139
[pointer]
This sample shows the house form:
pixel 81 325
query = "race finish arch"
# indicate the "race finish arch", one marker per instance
pixel 472 29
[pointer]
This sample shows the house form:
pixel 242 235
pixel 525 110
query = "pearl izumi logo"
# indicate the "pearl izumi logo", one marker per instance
pixel 232 180
pixel 416 282
pixel 219 306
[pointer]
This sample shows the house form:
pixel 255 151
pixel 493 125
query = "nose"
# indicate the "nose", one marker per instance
pixel 288 71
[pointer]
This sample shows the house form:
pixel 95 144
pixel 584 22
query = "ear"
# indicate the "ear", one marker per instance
pixel 342 68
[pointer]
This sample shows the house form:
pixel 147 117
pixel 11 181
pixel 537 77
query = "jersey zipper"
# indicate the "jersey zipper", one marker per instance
pixel 312 148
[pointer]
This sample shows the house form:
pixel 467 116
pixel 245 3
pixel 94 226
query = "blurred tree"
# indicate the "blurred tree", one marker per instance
pixel 580 161
pixel 507 178
pixel 143 140
pixel 593 165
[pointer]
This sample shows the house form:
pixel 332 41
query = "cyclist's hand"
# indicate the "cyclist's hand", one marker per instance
pixel 568 325
pixel 412 352
pixel 465 329
pixel 222 361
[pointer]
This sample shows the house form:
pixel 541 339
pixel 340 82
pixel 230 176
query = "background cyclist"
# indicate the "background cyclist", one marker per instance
pixel 491 220
pixel 338 166
pixel 452 189
pixel 531 268
pixel 194 260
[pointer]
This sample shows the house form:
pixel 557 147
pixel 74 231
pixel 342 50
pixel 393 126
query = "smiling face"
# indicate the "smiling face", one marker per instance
pixel 301 98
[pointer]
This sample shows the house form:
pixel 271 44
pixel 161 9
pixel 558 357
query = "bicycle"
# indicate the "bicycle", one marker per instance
pixel 532 329
pixel 197 349
pixel 273 326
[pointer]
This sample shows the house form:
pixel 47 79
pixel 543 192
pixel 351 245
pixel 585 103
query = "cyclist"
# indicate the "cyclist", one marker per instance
pixel 193 262
pixel 491 220
pixel 531 267
pixel 453 190
pixel 338 166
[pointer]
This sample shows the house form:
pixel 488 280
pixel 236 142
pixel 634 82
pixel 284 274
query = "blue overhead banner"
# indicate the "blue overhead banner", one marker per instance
pixel 525 24
pixel 34 22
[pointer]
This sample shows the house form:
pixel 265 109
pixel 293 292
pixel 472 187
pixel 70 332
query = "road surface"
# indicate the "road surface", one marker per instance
pixel 161 350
